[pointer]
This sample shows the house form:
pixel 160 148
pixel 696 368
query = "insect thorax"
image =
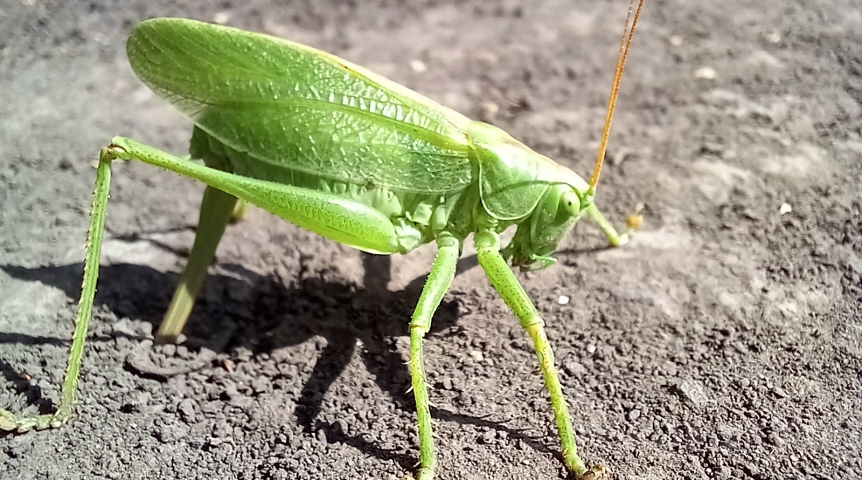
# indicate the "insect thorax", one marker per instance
pixel 519 186
pixel 416 216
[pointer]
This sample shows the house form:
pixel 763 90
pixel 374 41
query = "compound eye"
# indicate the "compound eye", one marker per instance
pixel 570 203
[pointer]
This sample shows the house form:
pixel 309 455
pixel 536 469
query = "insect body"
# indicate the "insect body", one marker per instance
pixel 354 157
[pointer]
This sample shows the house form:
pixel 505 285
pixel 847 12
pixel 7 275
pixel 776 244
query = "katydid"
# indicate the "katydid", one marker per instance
pixel 354 157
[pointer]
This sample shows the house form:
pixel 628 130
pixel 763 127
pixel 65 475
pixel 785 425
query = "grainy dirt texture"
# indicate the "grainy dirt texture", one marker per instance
pixel 724 342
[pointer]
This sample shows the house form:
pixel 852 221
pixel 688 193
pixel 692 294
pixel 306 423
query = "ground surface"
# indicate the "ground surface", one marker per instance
pixel 724 342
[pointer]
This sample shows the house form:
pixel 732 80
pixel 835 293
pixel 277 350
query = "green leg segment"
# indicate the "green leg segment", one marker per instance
pixel 610 232
pixel 438 282
pixel 328 215
pixel 505 282
pixel 8 421
pixel 239 211
pixel 217 208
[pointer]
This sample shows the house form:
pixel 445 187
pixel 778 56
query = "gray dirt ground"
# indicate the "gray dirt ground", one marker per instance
pixel 724 342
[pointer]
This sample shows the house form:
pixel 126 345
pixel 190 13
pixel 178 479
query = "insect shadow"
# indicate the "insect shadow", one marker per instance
pixel 271 315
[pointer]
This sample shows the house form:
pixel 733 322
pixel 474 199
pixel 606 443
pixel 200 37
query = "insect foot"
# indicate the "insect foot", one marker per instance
pixel 10 423
pixel 598 472
pixel 633 221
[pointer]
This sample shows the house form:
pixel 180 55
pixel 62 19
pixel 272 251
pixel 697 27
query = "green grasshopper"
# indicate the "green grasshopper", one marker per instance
pixel 356 158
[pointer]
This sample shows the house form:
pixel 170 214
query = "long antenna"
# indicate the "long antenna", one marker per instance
pixel 625 44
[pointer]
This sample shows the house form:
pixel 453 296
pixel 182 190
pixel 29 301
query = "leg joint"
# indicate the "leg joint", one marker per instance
pixel 486 241
pixel 419 327
pixel 532 323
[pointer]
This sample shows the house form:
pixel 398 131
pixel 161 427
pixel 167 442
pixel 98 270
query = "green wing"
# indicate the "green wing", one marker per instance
pixel 295 107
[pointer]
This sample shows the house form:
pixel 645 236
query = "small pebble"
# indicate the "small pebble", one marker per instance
pixel 785 209
pixel 574 368
pixel 490 108
pixel 563 300
pixel 774 439
pixel 123 328
pixel 487 58
pixel 693 391
pixel 171 433
pixel 418 66
pixel 477 356
pixel 221 18
pixel 705 73
pixel 186 410
pixel 751 469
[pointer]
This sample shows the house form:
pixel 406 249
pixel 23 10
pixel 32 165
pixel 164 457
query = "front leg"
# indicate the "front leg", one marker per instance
pixel 633 222
pixel 504 281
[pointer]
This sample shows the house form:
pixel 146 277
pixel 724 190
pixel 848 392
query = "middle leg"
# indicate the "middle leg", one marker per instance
pixel 438 282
